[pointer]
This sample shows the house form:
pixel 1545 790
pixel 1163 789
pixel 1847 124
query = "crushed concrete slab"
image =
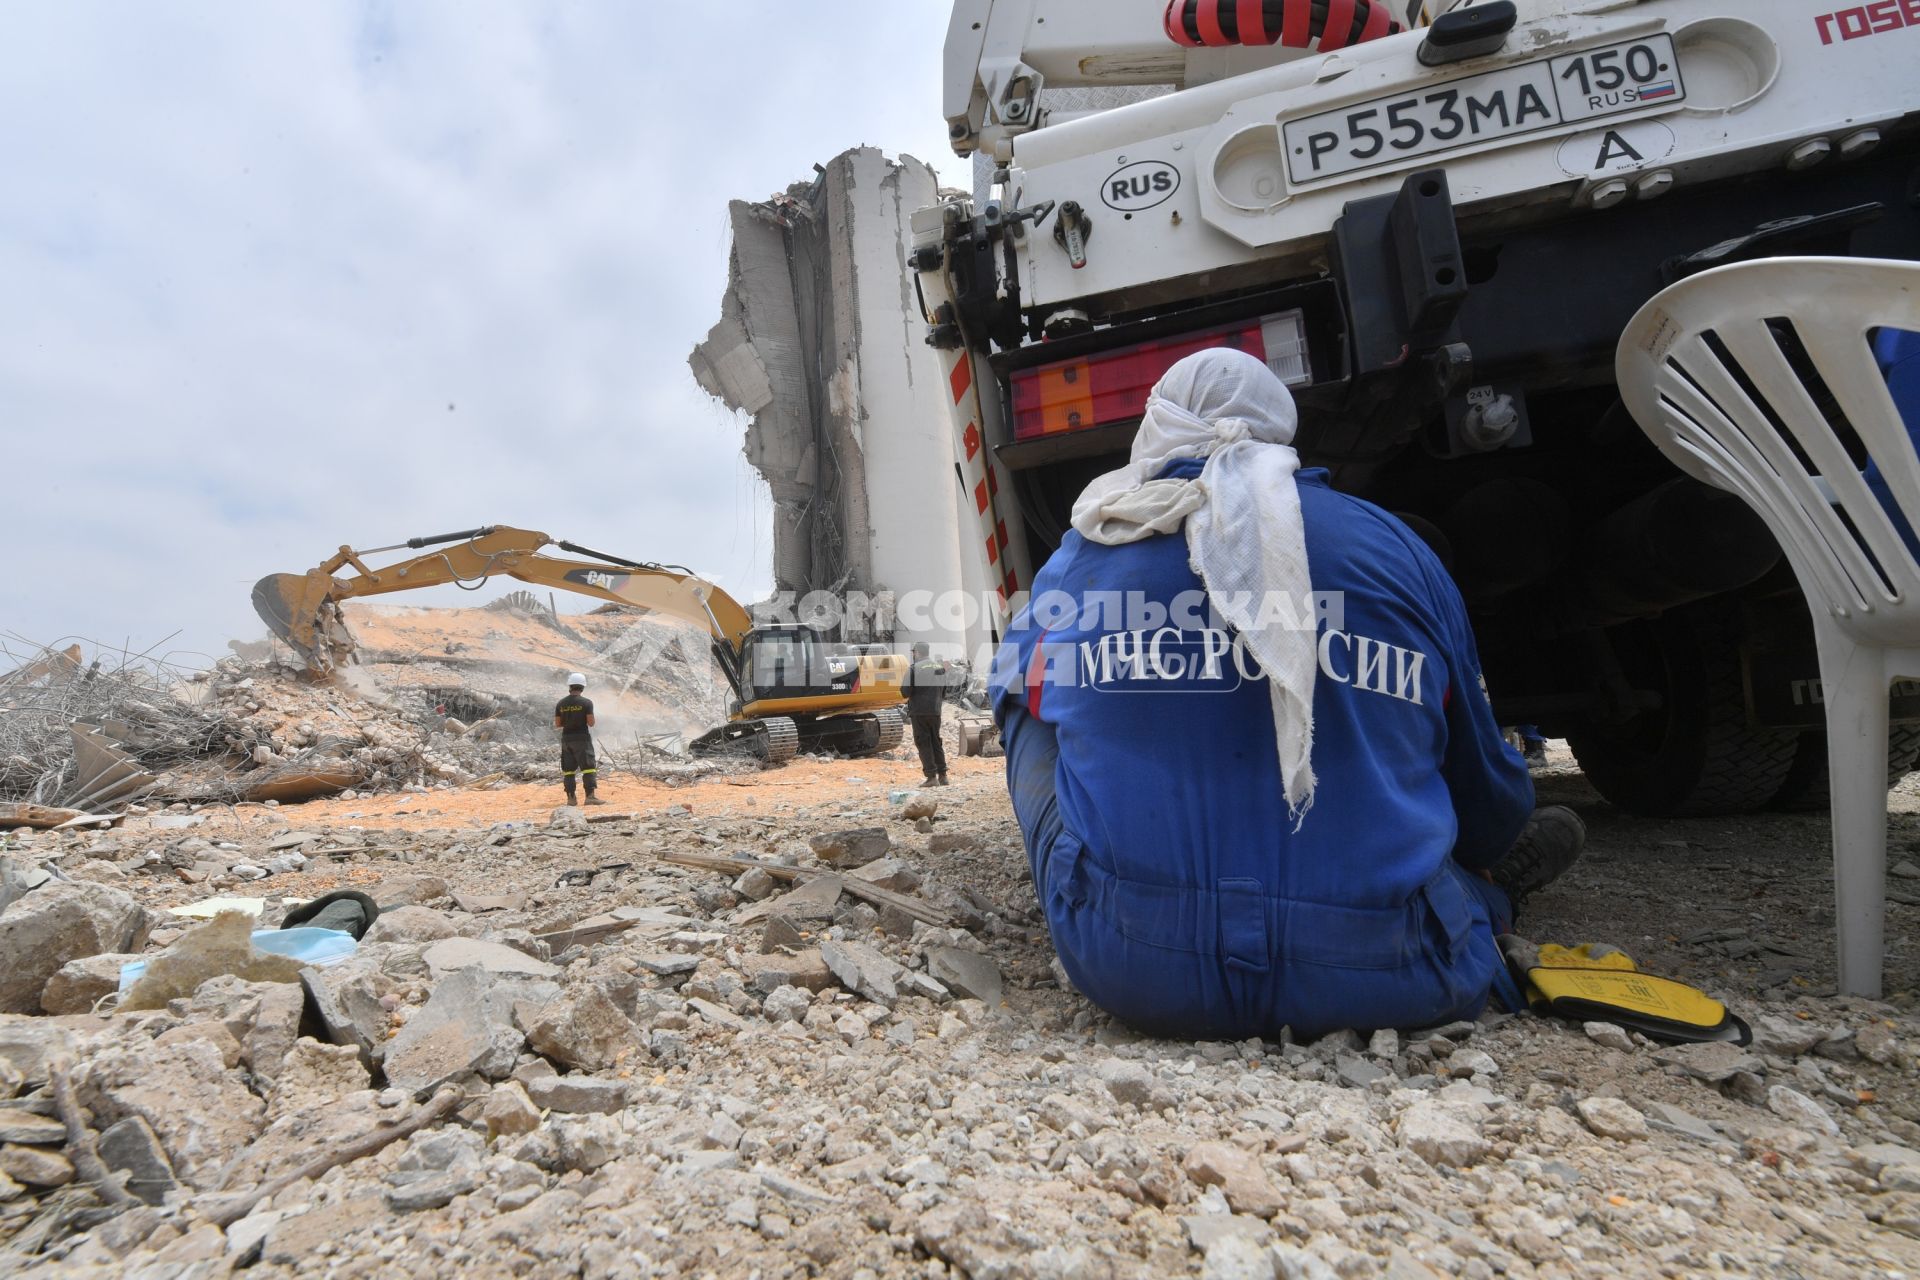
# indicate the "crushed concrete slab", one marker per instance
pixel 59 922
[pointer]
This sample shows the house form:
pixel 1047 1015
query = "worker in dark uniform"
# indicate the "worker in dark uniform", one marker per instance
pixel 926 686
pixel 573 717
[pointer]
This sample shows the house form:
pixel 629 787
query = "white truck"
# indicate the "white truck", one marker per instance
pixel 1434 226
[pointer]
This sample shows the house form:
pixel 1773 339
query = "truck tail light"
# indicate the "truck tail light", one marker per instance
pixel 1112 386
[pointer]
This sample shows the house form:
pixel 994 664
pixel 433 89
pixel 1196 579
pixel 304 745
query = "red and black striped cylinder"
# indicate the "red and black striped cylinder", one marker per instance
pixel 1320 25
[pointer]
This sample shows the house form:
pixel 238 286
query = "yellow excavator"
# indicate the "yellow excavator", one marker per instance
pixel 791 689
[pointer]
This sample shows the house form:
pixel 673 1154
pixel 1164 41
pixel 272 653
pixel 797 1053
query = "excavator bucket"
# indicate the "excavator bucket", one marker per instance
pixel 299 608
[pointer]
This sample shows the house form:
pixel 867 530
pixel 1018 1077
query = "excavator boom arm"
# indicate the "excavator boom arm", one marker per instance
pixel 301 608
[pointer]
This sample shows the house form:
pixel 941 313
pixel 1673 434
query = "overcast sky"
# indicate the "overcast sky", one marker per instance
pixel 275 277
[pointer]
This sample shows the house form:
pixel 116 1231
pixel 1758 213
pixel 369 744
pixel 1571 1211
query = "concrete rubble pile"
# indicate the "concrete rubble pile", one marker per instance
pixel 828 1038
pixel 255 726
pixel 75 732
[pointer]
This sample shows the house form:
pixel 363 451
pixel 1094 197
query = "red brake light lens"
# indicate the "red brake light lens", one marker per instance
pixel 1112 386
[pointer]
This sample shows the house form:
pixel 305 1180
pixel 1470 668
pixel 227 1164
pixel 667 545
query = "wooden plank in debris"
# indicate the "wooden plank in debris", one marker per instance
pixel 918 908
pixel 36 815
pixel 290 783
pixel 92 820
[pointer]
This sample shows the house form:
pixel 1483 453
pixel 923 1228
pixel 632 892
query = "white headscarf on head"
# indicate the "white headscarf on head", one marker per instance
pixel 1242 517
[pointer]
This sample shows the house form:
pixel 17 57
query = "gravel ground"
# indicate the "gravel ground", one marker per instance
pixel 679 1099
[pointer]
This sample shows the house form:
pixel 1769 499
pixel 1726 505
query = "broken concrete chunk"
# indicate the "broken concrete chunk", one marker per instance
pixel 28 1129
pixel 1612 1118
pixel 81 984
pixel 202 1114
pixel 812 901
pixel 780 931
pixel 587 1142
pixel 1609 1035
pixel 465 1028
pixel 855 848
pixel 407 890
pixel 920 805
pixel 1358 1073
pixel 723 1134
pixel 1442 1135
pixel 275 1026
pixel 1668 1118
pixel 969 973
pixel 1206 1230
pixel 1713 1063
pixel 914 983
pixel 435 1191
pixel 583 1029
pixel 755 884
pixel 410 924
pixel 453 954
pixel 1786 1037
pixel 35 1166
pixel 667 964
pixel 131 1146
pixel 1797 1108
pixel 1238 1174
pixel 725 1019
pixel 224 945
pixel 509 1110
pixel 768 973
pixel 862 970
pixel 315 1076
pixel 787 1004
pixel 888 873
pixel 1130 1082
pixel 577 1094
pixel 213 1033
pixel 350 998
pixel 59 922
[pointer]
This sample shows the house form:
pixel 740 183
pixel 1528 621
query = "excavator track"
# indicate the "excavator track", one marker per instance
pixel 779 739
pixel 893 728
pixel 773 739
pixel 858 735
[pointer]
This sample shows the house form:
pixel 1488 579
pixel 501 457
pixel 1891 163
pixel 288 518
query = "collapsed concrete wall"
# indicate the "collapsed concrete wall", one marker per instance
pixel 821 343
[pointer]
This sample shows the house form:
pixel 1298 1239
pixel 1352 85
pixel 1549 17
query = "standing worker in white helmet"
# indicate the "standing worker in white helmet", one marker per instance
pixel 573 717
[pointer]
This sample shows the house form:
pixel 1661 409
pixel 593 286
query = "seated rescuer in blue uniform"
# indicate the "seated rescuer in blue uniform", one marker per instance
pixel 1275 795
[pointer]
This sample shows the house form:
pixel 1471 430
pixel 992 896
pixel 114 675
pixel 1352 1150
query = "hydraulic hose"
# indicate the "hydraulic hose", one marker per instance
pixel 1320 25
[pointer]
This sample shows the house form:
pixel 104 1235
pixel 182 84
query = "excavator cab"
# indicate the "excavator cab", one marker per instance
pixel 794 662
pixel 800 691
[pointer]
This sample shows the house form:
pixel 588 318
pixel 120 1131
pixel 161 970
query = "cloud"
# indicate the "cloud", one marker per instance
pixel 285 276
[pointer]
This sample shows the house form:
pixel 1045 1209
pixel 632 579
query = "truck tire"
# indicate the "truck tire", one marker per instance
pixel 1805 790
pixel 1696 755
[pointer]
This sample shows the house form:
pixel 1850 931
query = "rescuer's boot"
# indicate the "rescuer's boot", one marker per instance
pixel 1547 847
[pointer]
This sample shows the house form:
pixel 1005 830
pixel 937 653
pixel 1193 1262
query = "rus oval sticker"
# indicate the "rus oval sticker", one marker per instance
pixel 1140 185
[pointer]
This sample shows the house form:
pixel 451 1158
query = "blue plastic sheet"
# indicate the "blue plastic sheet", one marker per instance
pixel 317 947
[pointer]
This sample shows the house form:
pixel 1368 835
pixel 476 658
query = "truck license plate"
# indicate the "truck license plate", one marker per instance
pixel 1640 75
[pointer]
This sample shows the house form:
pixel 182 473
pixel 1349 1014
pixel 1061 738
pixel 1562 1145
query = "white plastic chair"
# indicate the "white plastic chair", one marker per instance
pixel 1689 366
